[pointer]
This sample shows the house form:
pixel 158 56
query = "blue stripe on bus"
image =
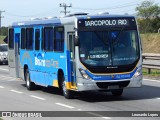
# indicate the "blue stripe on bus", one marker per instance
pixel 112 77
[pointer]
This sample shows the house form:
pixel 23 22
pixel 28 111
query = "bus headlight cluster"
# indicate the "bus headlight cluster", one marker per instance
pixel 138 73
pixel 84 74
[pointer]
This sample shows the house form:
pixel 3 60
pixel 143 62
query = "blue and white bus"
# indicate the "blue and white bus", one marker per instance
pixel 78 52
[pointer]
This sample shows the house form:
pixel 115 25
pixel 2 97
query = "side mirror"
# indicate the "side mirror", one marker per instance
pixel 76 41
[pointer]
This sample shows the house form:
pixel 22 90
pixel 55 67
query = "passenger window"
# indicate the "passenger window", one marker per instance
pixel 29 38
pixel 23 38
pixel 11 38
pixel 48 39
pixel 37 39
pixel 59 39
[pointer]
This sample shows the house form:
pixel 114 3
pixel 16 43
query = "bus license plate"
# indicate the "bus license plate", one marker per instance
pixel 113 87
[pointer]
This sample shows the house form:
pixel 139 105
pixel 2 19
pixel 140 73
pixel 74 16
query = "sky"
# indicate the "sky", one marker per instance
pixel 22 10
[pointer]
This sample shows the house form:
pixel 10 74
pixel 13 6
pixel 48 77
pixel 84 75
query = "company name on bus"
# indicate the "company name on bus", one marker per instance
pixel 40 62
pixel 94 23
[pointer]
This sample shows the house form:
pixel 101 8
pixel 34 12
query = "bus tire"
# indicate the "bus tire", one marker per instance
pixel 30 85
pixel 117 92
pixel 68 94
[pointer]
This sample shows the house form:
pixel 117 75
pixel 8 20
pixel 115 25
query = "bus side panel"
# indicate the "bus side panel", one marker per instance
pixel 13 53
pixel 11 62
pixel 27 58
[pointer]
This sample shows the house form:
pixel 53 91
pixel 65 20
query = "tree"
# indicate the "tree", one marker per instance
pixel 147 11
pixel 4 31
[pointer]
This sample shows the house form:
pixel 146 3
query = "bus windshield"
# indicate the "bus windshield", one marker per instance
pixel 3 48
pixel 108 48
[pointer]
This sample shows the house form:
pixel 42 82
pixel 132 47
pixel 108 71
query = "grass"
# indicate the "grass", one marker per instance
pixel 1 119
pixel 1 39
pixel 154 73
pixel 151 42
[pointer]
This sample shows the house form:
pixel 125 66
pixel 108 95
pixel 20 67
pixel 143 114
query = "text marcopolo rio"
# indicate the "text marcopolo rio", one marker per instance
pixel 118 22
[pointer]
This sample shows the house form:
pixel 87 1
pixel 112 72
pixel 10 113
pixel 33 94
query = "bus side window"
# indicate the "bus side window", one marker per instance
pixel 37 39
pixel 23 38
pixel 59 39
pixel 29 38
pixel 11 38
pixel 48 39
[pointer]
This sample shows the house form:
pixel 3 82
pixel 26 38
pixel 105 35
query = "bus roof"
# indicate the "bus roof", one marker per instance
pixel 65 20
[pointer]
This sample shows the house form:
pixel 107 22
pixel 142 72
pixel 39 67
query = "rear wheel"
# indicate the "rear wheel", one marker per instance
pixel 117 92
pixel 67 93
pixel 30 85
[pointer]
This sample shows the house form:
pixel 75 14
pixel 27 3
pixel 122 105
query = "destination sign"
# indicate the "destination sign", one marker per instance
pixel 106 22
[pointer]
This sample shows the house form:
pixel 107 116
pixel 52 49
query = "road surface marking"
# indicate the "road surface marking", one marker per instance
pixel 40 98
pixel 158 98
pixel 67 106
pixel 98 115
pixel 152 80
pixel 4 69
pixel 16 91
pixel 7 76
pixel 1 87
pixel 4 78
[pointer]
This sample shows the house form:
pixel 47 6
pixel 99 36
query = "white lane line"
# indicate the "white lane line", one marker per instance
pixel 4 69
pixel 40 98
pixel 67 106
pixel 6 77
pixel 1 87
pixel 16 91
pixel 98 115
pixel 152 80
pixel 158 98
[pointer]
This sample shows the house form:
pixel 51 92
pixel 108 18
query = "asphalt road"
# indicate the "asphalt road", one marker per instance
pixel 15 97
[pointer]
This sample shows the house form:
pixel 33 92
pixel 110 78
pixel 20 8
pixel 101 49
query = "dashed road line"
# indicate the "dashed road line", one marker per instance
pixel 6 77
pixel 1 87
pixel 40 98
pixel 98 115
pixel 16 91
pixel 4 69
pixel 64 105
pixel 152 80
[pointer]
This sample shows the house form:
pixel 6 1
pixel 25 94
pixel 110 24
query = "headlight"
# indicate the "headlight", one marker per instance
pixel 138 73
pixel 84 74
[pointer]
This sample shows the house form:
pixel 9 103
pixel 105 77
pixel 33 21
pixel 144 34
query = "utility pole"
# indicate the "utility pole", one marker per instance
pixel 0 19
pixel 65 7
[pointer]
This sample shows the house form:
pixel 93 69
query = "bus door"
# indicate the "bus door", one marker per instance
pixel 17 52
pixel 71 47
pixel 38 54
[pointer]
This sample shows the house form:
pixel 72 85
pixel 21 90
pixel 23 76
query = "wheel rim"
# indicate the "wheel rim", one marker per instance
pixel 27 80
pixel 64 87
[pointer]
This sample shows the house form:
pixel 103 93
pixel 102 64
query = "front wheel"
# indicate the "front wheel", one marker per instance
pixel 117 92
pixel 67 93
pixel 30 85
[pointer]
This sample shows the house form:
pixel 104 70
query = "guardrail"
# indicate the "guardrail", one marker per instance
pixel 151 65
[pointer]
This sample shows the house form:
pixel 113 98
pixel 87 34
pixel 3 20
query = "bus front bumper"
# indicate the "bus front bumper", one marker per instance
pixel 87 85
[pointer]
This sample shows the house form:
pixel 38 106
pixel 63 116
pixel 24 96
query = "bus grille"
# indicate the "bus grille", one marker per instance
pixel 106 84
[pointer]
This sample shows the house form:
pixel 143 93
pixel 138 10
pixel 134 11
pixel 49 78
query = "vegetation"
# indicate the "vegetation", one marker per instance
pixel 155 74
pixel 148 17
pixel 4 31
pixel 2 39
pixel 151 43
